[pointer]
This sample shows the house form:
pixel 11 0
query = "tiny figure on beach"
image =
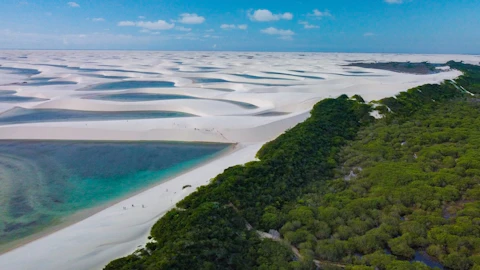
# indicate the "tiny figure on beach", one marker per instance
pixel 133 205
pixel 124 208
pixel 143 206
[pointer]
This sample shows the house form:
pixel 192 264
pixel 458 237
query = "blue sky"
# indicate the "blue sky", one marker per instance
pixel 403 26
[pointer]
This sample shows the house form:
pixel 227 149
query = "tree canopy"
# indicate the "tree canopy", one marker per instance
pixel 344 191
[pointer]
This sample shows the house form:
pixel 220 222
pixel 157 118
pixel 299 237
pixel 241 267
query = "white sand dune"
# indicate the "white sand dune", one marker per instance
pixel 114 232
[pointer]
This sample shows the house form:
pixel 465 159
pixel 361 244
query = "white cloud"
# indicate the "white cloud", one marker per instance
pixel 287 16
pixel 9 39
pixel 307 25
pixel 210 36
pixel 191 18
pixel 265 15
pixel 228 26
pixel 126 23
pixel 233 26
pixel 393 1
pixel 275 31
pixel 73 4
pixel 283 34
pixel 97 40
pixel 142 17
pixel 158 25
pixel 98 20
pixel 181 28
pixel 320 14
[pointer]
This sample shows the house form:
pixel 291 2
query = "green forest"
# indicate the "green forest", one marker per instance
pixel 343 191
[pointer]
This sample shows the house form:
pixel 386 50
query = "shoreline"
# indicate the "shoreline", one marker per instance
pixel 69 220
pixel 59 237
pixel 113 232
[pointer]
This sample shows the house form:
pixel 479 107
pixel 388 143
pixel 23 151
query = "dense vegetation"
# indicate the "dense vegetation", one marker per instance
pixel 403 67
pixel 343 190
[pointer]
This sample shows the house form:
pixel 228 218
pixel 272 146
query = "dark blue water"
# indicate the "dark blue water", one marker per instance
pixel 301 76
pixel 422 256
pixel 133 97
pixel 208 68
pixel 312 77
pixel 269 84
pixel 136 97
pixel 20 71
pixel 357 75
pixel 208 80
pixel 15 99
pixel 8 96
pixel 46 81
pixel 21 115
pixel 358 72
pixel 73 68
pixel 99 69
pixel 259 77
pixel 43 182
pixel 131 85
pixel 107 76
pixel 272 114
pixel 222 89
pixel 7 92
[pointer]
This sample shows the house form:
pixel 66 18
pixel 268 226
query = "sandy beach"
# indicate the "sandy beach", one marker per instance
pixel 93 242
pixel 278 104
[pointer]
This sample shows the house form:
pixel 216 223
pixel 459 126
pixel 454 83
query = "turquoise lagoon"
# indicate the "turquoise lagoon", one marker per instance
pixel 19 115
pixel 122 85
pixel 44 182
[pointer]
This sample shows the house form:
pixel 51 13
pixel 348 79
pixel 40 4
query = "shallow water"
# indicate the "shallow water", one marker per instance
pixel 132 97
pixel 266 114
pixel 358 72
pixel 22 115
pixel 422 256
pixel 43 182
pixel 131 85
pixel 99 69
pixel 7 92
pixel 208 80
pixel 259 77
pixel 106 76
pixel 301 76
pixel 8 96
pixel 20 71
pixel 47 82
pixel 14 99
pixel 200 70
pixel 136 97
